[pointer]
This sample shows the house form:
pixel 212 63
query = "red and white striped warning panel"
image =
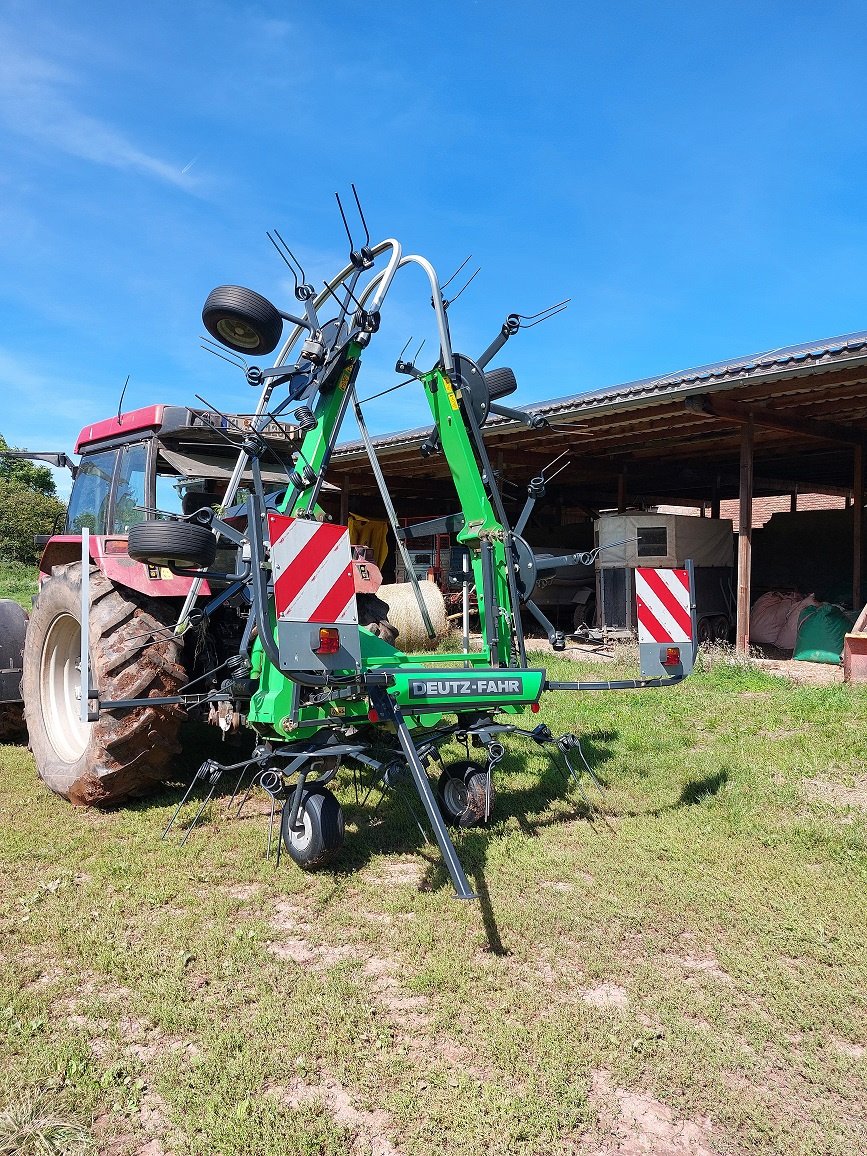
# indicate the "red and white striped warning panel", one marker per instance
pixel 662 597
pixel 311 564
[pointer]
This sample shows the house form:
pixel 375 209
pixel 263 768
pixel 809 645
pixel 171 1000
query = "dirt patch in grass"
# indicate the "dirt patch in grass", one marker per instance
pixel 147 1134
pixel 637 1124
pixel 369 1128
pixel 400 873
pixel 837 794
pixel 606 995
pixel 847 1048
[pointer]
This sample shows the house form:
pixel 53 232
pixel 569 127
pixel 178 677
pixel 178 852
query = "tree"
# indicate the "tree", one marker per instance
pixel 28 506
pixel 24 474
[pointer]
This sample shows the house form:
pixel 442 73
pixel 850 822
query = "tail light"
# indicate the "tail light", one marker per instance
pixel 329 641
pixel 672 656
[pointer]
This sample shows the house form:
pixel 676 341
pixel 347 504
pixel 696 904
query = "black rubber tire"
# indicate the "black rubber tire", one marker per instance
pixel 182 544
pixel 13 729
pixel 721 627
pixel 500 382
pixel 133 654
pixel 461 794
pixel 13 631
pixel 242 320
pixel 321 816
pixel 705 630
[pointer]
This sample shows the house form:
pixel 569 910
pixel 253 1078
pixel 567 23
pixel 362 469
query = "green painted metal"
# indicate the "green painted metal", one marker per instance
pixel 459 681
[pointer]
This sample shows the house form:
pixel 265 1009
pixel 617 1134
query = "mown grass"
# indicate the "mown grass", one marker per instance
pixel 203 1001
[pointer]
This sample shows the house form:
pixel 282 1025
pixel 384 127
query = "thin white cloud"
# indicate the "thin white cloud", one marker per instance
pixel 37 101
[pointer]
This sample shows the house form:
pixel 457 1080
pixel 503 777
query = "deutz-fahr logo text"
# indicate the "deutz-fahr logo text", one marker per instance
pixel 457 687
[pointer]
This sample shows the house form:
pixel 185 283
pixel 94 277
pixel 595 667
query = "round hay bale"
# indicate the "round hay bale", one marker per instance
pixel 404 614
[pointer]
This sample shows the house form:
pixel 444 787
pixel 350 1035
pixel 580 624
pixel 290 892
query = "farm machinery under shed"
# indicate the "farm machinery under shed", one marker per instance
pixel 199 573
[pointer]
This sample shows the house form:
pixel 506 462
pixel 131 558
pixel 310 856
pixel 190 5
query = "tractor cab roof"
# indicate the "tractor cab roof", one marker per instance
pixel 177 427
pixel 195 443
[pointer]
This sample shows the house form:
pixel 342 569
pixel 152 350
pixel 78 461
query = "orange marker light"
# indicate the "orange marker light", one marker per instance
pixel 672 656
pixel 329 641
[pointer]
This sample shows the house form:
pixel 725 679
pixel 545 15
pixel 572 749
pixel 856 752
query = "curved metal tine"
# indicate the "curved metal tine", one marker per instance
pixel 383 392
pixel 417 353
pixel 241 430
pixel 544 314
pixel 201 810
pixel 405 802
pixel 603 786
pixel 446 304
pixel 292 261
pixel 462 265
pixel 344 305
pixel 218 351
pixel 553 462
pixel 234 794
pixel 225 416
pixel 286 261
pixel 577 430
pixel 403 351
pixel 349 292
pixel 361 214
pixel 345 222
pixel 184 800
pixel 556 474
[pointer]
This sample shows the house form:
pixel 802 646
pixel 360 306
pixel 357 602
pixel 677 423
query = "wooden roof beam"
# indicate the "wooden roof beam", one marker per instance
pixel 713 407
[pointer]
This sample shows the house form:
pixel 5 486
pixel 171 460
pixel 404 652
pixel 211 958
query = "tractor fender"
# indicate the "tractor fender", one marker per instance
pixel 109 556
pixel 13 627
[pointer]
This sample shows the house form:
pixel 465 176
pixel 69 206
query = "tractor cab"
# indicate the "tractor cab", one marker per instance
pixel 162 462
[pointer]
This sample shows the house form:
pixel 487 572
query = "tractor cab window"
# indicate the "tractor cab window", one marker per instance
pixel 170 491
pixel 88 503
pixel 130 495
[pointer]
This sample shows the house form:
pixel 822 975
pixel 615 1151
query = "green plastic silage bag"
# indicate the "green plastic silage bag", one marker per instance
pixel 821 630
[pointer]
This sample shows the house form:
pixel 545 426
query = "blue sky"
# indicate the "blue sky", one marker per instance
pixel 691 175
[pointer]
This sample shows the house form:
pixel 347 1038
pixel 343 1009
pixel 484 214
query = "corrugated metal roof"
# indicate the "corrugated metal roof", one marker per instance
pixel 787 361
pixel 830 351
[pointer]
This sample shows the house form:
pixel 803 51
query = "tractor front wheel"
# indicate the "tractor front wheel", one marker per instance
pixel 133 654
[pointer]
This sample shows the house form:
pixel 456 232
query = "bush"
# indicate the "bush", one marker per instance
pixel 23 514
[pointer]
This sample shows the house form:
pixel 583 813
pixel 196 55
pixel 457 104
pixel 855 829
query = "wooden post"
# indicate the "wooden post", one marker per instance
pixel 621 491
pixel 745 539
pixel 858 529
pixel 793 500
pixel 344 502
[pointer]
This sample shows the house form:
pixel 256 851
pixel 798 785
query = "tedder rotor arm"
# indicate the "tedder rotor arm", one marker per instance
pixel 261 417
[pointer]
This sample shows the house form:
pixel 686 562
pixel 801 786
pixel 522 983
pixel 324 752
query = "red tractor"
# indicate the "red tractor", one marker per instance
pixel 152 463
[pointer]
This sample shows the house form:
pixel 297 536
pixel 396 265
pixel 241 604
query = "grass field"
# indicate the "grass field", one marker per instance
pixel 18 582
pixel 683 976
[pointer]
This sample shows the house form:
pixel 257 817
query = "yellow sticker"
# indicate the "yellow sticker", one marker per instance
pixel 344 378
pixel 450 392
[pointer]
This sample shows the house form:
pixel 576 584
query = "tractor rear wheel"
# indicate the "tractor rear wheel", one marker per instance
pixel 133 654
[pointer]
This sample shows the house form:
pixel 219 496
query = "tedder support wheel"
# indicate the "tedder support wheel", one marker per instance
pixel 319 831
pixel 242 320
pixel 133 654
pixel 462 794
pixel 182 544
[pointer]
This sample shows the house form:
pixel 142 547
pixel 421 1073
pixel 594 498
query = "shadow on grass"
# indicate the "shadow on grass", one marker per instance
pixel 394 823
pixel 696 792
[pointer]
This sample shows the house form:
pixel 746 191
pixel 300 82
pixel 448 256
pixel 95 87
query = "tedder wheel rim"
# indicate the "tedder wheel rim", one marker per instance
pixel 456 796
pixel 301 834
pixel 237 333
pixel 60 686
